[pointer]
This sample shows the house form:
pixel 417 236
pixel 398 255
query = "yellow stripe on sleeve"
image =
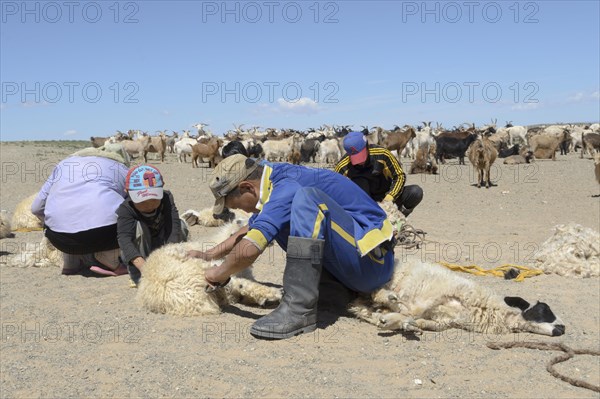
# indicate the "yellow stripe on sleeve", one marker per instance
pixel 257 238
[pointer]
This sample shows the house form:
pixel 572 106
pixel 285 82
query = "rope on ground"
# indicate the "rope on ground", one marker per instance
pixel 409 237
pixel 520 273
pixel 569 353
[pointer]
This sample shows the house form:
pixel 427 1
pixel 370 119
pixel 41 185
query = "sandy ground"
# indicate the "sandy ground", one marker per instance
pixel 77 336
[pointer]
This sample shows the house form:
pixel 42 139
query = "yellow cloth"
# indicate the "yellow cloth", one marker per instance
pixel 524 271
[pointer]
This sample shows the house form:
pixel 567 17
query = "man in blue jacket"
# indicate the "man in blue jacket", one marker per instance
pixel 320 218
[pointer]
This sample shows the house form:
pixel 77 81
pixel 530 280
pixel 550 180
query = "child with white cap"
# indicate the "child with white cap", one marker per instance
pixel 147 220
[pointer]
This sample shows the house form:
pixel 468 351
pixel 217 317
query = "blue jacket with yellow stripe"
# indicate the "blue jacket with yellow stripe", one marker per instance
pixel 381 175
pixel 279 184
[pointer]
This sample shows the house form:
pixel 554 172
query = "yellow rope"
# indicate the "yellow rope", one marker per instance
pixel 27 229
pixel 497 271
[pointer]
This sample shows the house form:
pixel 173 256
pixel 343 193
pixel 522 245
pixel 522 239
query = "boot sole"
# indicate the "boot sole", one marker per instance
pixel 275 335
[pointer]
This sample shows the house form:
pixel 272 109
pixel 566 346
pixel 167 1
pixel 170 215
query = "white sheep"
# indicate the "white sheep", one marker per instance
pixel 23 220
pixel 174 284
pixel 42 254
pixel 205 218
pixel 5 231
pixel 426 296
pixel 572 251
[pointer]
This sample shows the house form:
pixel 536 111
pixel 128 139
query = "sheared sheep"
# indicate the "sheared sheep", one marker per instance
pixel 5 226
pixel 23 220
pixel 572 251
pixel 42 254
pixel 205 218
pixel 174 284
pixel 425 296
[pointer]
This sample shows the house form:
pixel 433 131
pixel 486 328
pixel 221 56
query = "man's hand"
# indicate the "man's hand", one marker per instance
pixel 198 255
pixel 214 277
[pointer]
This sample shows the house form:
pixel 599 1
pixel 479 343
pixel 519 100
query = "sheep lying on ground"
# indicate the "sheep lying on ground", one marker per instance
pixel 519 159
pixel 5 225
pixel 425 296
pixel 173 284
pixel 23 220
pixel 205 218
pixel 572 251
pixel 42 254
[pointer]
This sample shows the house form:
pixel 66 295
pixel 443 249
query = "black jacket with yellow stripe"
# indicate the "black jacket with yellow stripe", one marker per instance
pixel 381 175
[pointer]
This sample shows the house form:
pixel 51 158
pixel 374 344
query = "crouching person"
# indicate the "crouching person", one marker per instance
pixel 147 219
pixel 375 170
pixel 324 222
pixel 77 204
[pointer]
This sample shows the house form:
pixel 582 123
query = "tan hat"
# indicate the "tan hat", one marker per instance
pixel 227 175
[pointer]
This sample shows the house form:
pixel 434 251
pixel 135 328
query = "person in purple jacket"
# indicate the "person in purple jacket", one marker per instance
pixel 78 204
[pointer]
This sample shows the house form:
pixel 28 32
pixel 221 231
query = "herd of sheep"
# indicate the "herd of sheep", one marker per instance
pixel 425 146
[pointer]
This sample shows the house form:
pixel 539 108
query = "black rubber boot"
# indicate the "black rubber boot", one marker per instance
pixel 405 211
pixel 333 295
pixel 297 312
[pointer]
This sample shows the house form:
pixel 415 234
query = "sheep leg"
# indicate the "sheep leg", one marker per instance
pixel 253 293
pixel 364 310
pixel 398 321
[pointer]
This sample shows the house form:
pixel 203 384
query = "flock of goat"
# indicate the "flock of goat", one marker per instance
pixel 425 146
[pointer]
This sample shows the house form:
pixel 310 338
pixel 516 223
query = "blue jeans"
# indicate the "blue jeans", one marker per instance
pixel 316 215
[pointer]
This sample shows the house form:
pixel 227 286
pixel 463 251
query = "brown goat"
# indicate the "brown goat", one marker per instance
pixel 294 157
pixel 209 150
pixel 482 155
pixel 156 144
pixel 545 146
pixel 398 139
pixel 424 163
pixel 590 142
pixel 98 141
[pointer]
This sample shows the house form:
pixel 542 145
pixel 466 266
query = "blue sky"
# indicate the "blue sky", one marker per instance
pixel 71 70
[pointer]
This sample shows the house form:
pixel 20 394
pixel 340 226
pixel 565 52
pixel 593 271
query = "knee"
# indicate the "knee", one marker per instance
pixel 417 192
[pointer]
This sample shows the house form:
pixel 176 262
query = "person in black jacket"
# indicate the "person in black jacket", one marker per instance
pixel 147 220
pixel 378 173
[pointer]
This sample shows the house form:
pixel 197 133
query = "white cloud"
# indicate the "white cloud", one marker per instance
pixel 583 97
pixel 577 97
pixel 33 104
pixel 525 106
pixel 70 133
pixel 303 105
